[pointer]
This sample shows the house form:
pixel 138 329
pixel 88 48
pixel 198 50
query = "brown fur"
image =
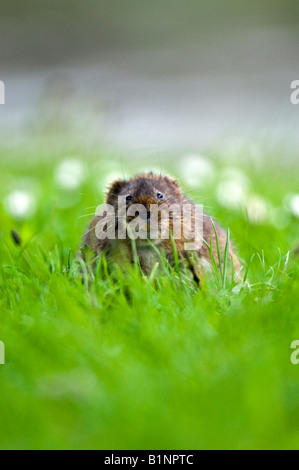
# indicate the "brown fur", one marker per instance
pixel 143 189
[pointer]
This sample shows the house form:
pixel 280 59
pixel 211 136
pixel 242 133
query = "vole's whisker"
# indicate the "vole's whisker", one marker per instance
pixel 85 215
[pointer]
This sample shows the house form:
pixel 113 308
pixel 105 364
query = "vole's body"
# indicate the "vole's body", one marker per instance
pixel 147 189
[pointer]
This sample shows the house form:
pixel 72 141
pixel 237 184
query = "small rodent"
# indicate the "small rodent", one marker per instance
pixel 153 191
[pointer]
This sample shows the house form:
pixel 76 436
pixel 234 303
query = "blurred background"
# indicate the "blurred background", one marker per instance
pixel 97 90
pixel 150 78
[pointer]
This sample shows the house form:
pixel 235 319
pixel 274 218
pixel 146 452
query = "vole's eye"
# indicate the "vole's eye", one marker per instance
pixel 159 195
pixel 128 197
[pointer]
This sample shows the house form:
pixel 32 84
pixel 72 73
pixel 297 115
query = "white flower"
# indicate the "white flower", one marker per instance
pixel 231 194
pixel 258 209
pixel 20 204
pixel 196 170
pixel 70 174
pixel 294 204
pixel 233 188
pixel 236 175
pixel 280 218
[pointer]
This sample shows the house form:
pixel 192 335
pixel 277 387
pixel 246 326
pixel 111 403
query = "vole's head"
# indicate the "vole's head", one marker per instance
pixel 152 199
pixel 145 189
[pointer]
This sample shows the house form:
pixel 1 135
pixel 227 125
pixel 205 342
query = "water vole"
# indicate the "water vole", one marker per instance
pixel 165 217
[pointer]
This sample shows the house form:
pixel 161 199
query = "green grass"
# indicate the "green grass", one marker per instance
pixel 127 362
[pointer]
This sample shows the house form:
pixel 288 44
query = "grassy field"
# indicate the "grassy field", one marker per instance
pixel 127 363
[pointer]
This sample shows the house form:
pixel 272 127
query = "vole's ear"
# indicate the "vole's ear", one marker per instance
pixel 114 190
pixel 171 180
